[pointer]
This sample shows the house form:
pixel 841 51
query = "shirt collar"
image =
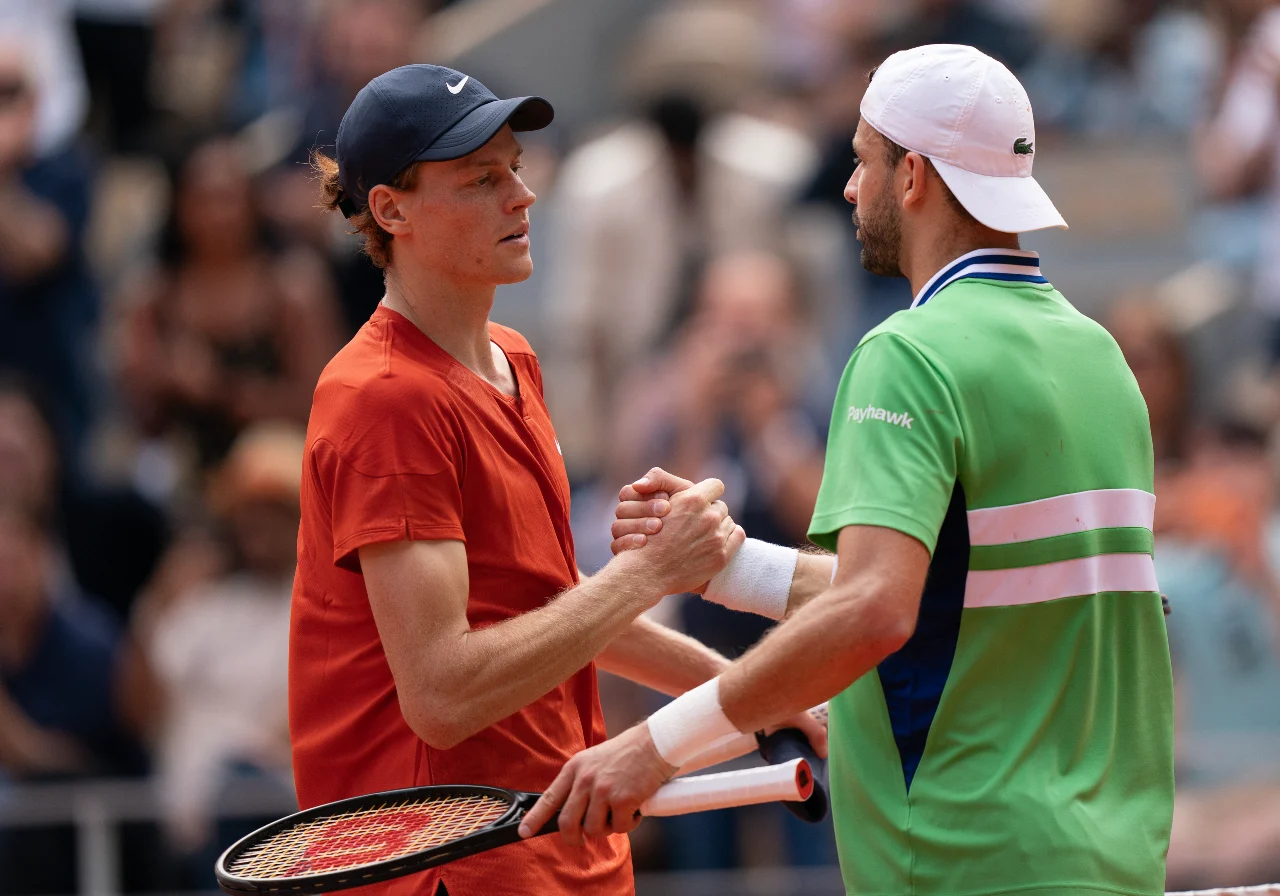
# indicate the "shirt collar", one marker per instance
pixel 1016 265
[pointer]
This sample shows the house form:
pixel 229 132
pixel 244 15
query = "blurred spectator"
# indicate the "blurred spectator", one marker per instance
pixel 278 62
pixel 63 660
pixel 111 536
pixel 1217 561
pixel 226 332
pixel 117 42
pixel 70 684
pixel 640 210
pixel 735 393
pixel 1237 153
pixel 1217 556
pixel 44 30
pixel 813 39
pixel 728 399
pixel 998 29
pixel 861 300
pixel 60 658
pixel 48 304
pixel 357 40
pixel 1162 367
pixel 1115 66
pixel 219 646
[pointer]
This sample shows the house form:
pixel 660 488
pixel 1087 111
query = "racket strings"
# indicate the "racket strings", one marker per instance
pixel 389 831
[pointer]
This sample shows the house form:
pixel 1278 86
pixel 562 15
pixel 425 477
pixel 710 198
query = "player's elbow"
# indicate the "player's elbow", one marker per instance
pixel 895 623
pixel 884 619
pixel 439 725
pixel 894 631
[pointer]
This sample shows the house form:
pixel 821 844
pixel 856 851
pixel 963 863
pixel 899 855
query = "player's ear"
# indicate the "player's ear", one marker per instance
pixel 915 186
pixel 384 205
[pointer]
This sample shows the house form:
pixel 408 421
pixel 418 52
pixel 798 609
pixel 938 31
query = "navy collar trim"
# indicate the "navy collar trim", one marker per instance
pixel 1013 265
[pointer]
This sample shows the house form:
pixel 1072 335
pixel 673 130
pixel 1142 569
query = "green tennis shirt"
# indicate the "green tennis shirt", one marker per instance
pixel 1022 740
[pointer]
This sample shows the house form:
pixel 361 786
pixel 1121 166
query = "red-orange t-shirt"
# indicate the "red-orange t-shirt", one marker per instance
pixel 406 443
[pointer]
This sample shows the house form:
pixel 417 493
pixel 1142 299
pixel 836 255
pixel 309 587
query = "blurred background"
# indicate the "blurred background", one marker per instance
pixel 169 293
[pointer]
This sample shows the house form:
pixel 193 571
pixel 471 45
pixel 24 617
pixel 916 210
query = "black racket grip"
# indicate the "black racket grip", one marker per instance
pixel 786 744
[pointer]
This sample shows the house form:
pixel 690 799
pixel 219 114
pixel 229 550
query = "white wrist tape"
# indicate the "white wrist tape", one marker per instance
pixel 757 579
pixel 691 723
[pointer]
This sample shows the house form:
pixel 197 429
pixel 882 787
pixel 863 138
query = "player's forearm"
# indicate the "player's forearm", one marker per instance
pixel 487 674
pixel 661 658
pixel 826 646
pixel 812 577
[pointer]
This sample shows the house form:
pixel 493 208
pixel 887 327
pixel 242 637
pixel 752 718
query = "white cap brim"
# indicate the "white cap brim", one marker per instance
pixel 1007 204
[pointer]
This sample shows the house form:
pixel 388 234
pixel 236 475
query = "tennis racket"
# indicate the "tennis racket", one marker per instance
pixel 367 839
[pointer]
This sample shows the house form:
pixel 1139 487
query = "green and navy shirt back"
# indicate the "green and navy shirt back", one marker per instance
pixel 1022 739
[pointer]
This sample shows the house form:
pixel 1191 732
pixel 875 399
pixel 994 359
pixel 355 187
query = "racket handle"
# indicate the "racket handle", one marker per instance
pixel 702 793
pixel 789 744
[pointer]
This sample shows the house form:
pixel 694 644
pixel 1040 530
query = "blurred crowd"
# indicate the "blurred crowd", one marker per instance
pixel 169 293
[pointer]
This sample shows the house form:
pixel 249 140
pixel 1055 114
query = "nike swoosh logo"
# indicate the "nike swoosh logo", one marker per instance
pixel 455 89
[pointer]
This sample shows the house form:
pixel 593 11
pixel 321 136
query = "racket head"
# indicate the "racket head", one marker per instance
pixel 372 838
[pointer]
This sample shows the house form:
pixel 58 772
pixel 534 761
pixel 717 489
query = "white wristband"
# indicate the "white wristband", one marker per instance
pixel 691 723
pixel 757 579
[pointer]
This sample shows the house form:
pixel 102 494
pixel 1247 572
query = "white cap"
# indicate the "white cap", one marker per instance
pixel 970 116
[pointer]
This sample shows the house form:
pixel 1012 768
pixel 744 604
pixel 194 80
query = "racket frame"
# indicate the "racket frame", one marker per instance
pixel 499 832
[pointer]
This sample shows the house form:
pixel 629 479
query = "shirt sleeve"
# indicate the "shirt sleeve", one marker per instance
pixel 397 477
pixel 894 447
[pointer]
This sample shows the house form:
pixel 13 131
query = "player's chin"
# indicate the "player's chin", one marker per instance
pixel 513 268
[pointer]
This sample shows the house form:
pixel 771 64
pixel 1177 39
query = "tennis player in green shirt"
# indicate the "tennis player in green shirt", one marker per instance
pixel 991 636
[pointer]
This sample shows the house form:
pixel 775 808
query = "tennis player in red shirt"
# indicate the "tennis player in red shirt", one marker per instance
pixel 441 631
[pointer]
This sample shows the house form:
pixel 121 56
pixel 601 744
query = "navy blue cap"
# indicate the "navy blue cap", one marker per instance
pixel 418 113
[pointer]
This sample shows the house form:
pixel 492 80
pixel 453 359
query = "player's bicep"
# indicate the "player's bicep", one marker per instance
pixel 418 594
pixel 890 562
pixel 881 572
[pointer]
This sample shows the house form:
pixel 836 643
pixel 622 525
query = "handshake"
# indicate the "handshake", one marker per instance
pixel 681 538
pixel 680 532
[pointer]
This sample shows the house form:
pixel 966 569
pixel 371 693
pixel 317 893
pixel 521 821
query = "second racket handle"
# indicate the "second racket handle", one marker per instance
pixel 787 745
pixel 791 780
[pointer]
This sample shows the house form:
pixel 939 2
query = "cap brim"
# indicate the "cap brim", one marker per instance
pixel 1007 204
pixel 477 127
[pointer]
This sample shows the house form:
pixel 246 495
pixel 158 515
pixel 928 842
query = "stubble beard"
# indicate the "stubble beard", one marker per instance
pixel 881 236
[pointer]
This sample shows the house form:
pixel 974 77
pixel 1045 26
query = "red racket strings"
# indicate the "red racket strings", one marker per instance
pixel 347 841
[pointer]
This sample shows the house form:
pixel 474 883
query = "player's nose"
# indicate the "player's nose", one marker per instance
pixel 851 188
pixel 521 197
